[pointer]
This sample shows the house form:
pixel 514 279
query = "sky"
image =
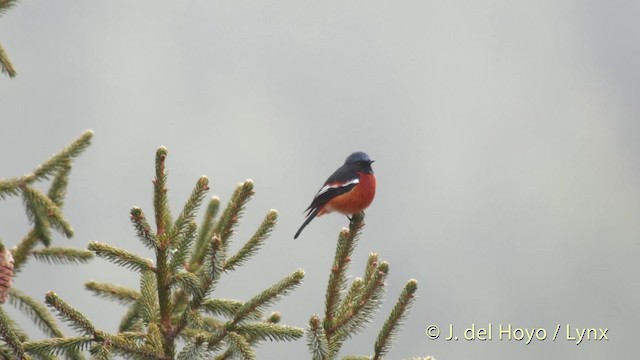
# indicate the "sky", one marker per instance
pixel 505 137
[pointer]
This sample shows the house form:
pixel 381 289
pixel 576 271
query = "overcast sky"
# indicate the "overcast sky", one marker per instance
pixel 506 139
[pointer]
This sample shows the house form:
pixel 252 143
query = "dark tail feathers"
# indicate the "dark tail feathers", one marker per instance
pixel 307 221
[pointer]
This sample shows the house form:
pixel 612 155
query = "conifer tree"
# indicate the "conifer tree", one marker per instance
pixel 349 310
pixel 174 313
pixel 174 303
pixel 45 214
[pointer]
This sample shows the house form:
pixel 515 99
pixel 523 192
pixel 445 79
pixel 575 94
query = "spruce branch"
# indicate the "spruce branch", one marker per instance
pixel 153 339
pixel 58 188
pixel 258 331
pixel 59 255
pixel 189 283
pixel 126 347
pixel 208 277
pixel 5 63
pixel 214 340
pixel 132 319
pixel 163 293
pixel 354 292
pixel 233 212
pixel 213 265
pixel 398 313
pixel 224 307
pixel 188 213
pixel 70 315
pixel 117 293
pixel 347 241
pixel 210 324
pixel 100 352
pixel 5 5
pixel 253 245
pixel 164 236
pixel 23 250
pixel 372 266
pixel 58 346
pixel 10 187
pixel 59 161
pixel 173 299
pixel 238 345
pixel 250 310
pixel 182 247
pixel 9 335
pixel 195 350
pixel 41 210
pixel 121 257
pixel 349 311
pixel 209 327
pixel 44 211
pixel 358 314
pixel 39 314
pixel 5 352
pixel 317 339
pixel 143 229
pixel 268 296
pixel 206 231
pixel 195 319
pixel 160 199
pixel 358 287
pixel 363 307
pixel 148 301
pixel 15 327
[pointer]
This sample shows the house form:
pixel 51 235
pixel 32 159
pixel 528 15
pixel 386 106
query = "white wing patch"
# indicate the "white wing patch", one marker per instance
pixel 326 188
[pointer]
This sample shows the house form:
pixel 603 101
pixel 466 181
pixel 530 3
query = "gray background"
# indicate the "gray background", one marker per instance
pixel 505 136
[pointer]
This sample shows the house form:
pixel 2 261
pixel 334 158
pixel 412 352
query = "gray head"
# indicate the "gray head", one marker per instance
pixel 359 161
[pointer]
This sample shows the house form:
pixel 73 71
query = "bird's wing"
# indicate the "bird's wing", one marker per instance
pixel 332 189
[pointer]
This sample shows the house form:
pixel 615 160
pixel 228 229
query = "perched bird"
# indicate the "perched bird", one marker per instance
pixel 349 190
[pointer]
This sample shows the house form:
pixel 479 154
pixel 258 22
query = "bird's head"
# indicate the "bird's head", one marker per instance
pixel 359 162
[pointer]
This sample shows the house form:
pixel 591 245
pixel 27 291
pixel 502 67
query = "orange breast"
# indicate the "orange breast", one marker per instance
pixel 355 200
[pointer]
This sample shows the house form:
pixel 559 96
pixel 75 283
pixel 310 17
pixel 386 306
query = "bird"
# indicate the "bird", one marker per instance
pixel 349 190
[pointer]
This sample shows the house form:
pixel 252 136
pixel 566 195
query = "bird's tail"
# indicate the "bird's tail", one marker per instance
pixel 307 221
